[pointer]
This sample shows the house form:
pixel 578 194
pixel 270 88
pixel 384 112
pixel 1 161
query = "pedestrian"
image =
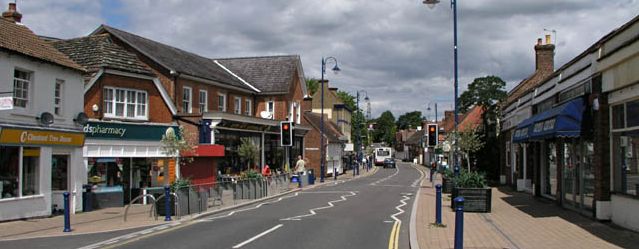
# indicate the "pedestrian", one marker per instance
pixel 266 170
pixel 299 165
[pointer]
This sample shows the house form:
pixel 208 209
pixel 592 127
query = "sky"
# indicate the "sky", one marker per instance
pixel 398 52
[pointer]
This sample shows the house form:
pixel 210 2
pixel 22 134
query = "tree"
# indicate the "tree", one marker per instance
pixel 486 92
pixel 385 128
pixel 312 85
pixel 469 143
pixel 177 145
pixel 248 151
pixel 409 120
pixel 348 99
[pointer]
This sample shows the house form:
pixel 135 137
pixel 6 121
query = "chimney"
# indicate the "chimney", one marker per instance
pixel 12 14
pixel 544 56
pixel 333 90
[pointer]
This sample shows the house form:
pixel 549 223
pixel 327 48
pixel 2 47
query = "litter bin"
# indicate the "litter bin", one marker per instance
pixel 87 198
pixel 311 176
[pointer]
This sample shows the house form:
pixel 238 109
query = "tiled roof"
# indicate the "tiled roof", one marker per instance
pixel 20 39
pixel 330 130
pixel 173 58
pixel 472 119
pixel 98 51
pixel 270 74
pixel 415 138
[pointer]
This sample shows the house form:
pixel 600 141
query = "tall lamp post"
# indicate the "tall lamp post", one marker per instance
pixel 359 129
pixel 322 150
pixel 453 4
pixel 428 109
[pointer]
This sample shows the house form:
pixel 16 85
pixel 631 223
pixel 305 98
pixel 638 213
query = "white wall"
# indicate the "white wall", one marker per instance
pixel 41 99
pixel 624 212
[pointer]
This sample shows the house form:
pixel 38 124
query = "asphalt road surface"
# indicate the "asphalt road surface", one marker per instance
pixel 366 212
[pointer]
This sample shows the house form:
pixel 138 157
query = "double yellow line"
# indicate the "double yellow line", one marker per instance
pixel 393 241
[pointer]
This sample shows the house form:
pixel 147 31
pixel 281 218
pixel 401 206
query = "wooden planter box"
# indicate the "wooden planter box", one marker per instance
pixel 475 199
pixel 447 185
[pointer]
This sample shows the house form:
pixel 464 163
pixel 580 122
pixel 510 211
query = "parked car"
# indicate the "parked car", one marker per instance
pixel 389 163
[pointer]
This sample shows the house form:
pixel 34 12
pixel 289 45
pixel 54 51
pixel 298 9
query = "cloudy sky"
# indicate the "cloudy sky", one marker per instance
pixel 398 51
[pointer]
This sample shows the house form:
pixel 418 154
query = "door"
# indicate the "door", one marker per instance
pixel 60 173
pixel 578 177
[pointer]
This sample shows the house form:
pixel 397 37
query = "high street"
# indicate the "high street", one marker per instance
pixel 361 213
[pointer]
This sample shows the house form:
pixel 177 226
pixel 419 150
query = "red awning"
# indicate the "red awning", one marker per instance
pixel 206 150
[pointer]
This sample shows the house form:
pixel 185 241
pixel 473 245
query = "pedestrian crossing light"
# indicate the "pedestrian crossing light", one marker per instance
pixel 432 135
pixel 286 133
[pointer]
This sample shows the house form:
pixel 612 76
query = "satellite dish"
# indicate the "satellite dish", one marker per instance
pixel 46 118
pixel 81 118
pixel 265 114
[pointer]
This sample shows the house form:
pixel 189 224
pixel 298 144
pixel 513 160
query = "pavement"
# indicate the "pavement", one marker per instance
pixel 517 220
pixel 111 220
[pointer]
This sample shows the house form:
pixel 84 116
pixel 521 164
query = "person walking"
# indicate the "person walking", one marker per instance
pixel 300 165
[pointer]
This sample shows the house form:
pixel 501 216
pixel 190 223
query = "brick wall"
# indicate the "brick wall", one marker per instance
pixel 312 150
pixel 601 160
pixel 158 110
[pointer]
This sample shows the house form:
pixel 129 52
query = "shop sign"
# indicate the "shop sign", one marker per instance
pixel 6 103
pixel 38 137
pixel 104 130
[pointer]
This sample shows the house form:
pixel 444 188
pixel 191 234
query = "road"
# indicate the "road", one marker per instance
pixel 366 212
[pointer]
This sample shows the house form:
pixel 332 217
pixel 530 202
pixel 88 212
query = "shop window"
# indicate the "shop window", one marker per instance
pixel 10 169
pixel 125 103
pixel 21 82
pixel 626 166
pixel 618 118
pixel 632 109
pixel 59 172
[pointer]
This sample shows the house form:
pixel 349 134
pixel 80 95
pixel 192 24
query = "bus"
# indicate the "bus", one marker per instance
pixel 382 153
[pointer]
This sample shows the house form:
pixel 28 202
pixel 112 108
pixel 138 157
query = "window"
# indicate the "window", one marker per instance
pixel 221 102
pixel 59 172
pixel 618 118
pixel 186 100
pixel 270 107
pixel 298 115
pixel 625 163
pixel 57 97
pixel 125 103
pixel 12 167
pixel 248 109
pixel 238 105
pixel 21 82
pixel 203 101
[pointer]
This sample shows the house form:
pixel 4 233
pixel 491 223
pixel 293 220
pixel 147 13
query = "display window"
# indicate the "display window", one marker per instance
pixel 19 171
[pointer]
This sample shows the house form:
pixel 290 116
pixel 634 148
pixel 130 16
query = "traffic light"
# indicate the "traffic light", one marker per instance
pixel 432 134
pixel 286 133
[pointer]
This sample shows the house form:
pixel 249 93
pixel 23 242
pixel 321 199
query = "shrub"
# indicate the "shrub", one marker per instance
pixel 470 179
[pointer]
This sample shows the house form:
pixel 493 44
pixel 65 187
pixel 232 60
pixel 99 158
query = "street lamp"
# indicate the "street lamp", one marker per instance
pixel 428 109
pixel 453 4
pixel 322 151
pixel 359 130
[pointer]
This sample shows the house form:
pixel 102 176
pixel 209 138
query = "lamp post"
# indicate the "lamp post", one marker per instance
pixel 453 4
pixel 428 109
pixel 322 151
pixel 359 130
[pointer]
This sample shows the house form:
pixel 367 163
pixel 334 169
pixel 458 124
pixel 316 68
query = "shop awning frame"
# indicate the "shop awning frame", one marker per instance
pixel 561 121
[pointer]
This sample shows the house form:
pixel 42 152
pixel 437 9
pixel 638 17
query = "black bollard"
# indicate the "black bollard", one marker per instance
pixel 459 222
pixel 167 203
pixel 438 204
pixel 67 210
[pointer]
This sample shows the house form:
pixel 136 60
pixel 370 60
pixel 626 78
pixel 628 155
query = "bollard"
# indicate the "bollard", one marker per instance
pixel 358 169
pixel 438 204
pixel 67 209
pixel 167 203
pixel 334 174
pixel 459 222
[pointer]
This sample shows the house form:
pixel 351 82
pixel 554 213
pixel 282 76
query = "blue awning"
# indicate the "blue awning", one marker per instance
pixel 560 121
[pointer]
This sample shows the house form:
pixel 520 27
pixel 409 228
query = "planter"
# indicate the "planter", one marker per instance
pixel 475 199
pixel 447 185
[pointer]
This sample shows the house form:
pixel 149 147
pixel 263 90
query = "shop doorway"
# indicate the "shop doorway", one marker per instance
pixel 578 176
pixel 549 172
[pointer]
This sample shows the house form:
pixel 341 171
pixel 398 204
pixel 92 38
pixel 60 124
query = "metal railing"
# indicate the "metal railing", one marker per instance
pixel 198 198
pixel 152 212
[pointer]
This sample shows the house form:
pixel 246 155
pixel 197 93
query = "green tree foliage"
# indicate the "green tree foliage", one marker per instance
pixel 248 151
pixel 409 120
pixel 469 143
pixel 486 92
pixel 385 128
pixel 348 99
pixel 312 85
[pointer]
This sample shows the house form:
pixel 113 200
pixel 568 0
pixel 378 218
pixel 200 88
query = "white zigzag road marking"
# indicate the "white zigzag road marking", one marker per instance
pixel 330 205
pixel 401 211
pixel 386 178
pixel 422 175
pixel 248 209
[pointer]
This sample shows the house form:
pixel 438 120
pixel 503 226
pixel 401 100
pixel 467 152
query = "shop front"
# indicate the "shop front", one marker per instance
pixel 124 159
pixel 36 167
